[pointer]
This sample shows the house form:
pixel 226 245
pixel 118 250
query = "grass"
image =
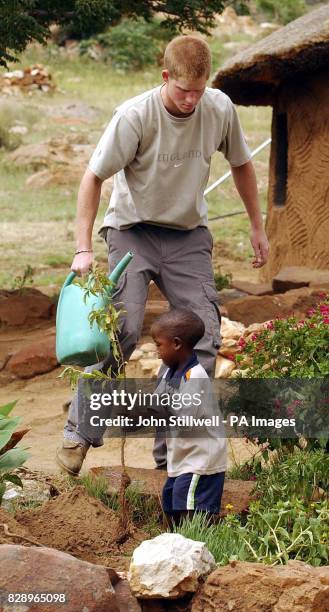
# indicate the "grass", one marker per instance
pixel 37 225
pixel 223 540
pixel 145 510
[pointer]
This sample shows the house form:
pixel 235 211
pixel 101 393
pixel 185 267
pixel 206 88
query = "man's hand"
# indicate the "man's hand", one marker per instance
pixel 246 184
pixel 260 245
pixel 82 263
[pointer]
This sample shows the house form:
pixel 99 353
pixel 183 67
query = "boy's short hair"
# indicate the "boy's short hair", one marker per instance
pixel 182 323
pixel 187 57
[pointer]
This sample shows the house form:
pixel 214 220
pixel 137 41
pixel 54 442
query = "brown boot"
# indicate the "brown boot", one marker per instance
pixel 70 456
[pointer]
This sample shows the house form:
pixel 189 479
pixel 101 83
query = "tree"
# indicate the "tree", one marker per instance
pixel 25 21
pixel 282 11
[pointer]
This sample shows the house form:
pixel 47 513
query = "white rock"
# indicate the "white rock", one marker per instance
pixel 231 329
pixel 150 366
pixel 12 493
pixel 229 346
pixel 18 129
pixel 32 491
pixel 169 566
pixel 224 367
pixel 148 347
pixel 255 328
pixel 136 355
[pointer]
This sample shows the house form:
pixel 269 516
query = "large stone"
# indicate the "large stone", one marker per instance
pixel 231 329
pixel 53 153
pixel 169 566
pixel 53 178
pixel 24 307
pixel 252 309
pixel 250 587
pixel 148 347
pixel 229 348
pixel 252 288
pixel 150 366
pixel 34 359
pixel 136 355
pixel 154 294
pixel 45 570
pixel 224 367
pixel 254 329
pixel 293 277
pixel 227 295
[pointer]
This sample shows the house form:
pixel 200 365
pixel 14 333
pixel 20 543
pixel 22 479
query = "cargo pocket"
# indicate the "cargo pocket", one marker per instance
pixel 213 312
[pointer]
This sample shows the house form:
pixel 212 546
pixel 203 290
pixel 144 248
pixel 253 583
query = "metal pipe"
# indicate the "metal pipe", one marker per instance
pixel 228 174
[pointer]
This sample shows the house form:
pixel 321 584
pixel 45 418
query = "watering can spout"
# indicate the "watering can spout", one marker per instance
pixel 120 267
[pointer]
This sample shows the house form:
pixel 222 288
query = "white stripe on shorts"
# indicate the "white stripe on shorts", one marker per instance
pixel 190 501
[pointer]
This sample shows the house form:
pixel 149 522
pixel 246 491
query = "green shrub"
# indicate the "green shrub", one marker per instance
pixel 282 11
pixel 289 347
pixel 222 281
pixel 12 458
pixel 300 475
pixel 131 45
pixel 8 140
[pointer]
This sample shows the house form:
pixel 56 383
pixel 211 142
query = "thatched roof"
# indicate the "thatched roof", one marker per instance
pixel 298 49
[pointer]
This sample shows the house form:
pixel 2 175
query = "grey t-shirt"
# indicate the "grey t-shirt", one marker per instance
pixel 161 163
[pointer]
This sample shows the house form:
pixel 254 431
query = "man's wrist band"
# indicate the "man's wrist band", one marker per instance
pixel 83 251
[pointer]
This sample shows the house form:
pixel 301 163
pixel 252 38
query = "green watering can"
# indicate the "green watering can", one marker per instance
pixel 78 342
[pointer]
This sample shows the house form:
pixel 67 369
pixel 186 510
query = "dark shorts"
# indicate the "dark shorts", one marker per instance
pixel 193 492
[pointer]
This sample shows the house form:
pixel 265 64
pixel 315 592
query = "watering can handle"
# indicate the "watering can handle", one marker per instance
pixel 69 279
pixel 114 277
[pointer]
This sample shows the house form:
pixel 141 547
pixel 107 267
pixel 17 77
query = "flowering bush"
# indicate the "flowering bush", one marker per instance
pixel 289 347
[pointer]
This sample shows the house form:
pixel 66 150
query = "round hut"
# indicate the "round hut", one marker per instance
pixel 289 70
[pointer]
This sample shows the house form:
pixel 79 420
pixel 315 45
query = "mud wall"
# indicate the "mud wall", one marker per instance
pixel 298 196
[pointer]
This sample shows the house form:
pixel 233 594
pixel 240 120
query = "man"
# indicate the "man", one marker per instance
pixel 158 147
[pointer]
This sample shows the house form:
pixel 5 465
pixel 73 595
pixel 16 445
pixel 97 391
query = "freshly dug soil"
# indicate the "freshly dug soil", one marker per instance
pixel 81 525
pixel 13 527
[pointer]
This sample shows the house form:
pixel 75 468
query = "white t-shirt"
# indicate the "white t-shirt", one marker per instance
pixel 206 454
pixel 161 163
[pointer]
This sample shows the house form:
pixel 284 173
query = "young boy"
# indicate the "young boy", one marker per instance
pixel 196 464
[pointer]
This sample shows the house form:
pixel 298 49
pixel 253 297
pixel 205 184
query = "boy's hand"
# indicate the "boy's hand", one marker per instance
pixel 82 263
pixel 260 245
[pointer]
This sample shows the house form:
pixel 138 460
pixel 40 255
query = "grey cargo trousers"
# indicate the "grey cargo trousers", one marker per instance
pixel 179 262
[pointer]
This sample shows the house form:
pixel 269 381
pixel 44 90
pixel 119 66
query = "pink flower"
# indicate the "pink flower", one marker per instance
pixel 324 309
pixel 270 325
pixel 326 320
pixel 290 411
pixel 310 312
pixel 231 357
pixel 254 337
pixel 242 342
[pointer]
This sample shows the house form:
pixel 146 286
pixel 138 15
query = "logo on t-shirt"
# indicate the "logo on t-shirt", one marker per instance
pixel 179 157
